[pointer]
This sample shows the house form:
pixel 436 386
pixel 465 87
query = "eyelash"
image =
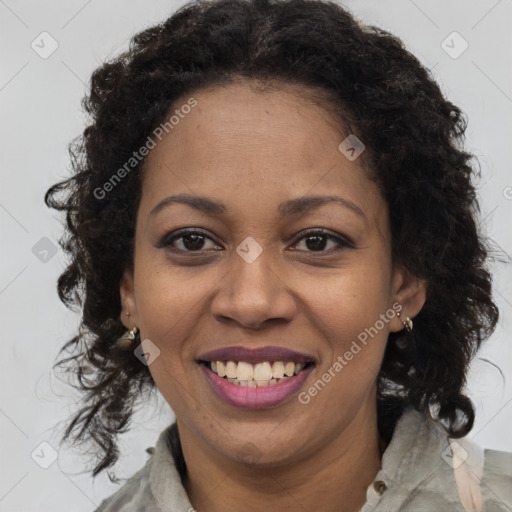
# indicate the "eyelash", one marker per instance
pixel 343 243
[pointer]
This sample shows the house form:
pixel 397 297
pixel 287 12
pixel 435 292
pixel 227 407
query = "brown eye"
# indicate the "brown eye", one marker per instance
pixel 316 241
pixel 189 241
pixel 194 241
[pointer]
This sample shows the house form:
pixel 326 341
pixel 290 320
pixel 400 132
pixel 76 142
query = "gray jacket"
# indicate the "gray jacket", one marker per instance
pixel 423 470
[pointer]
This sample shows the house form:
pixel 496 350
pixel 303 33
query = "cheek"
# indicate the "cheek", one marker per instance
pixel 347 301
pixel 168 298
pixel 168 306
pixel 347 316
pixel 348 310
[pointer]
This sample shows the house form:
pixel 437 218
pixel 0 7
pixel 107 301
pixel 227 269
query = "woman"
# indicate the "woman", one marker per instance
pixel 273 223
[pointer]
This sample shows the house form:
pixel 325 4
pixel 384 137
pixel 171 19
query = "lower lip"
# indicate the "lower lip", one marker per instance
pixel 255 398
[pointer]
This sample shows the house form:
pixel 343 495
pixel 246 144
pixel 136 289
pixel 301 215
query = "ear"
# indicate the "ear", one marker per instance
pixel 128 305
pixel 410 292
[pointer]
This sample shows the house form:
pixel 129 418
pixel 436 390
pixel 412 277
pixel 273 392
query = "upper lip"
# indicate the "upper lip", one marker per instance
pixel 256 355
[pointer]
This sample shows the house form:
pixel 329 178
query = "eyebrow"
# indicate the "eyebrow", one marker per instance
pixel 299 205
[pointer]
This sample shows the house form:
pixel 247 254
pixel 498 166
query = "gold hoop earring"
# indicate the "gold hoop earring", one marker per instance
pixel 407 322
pixel 126 340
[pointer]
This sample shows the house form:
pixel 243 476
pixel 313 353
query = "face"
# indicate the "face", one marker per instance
pixel 255 274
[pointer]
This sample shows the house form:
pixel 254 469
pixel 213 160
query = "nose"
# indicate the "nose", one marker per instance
pixel 254 294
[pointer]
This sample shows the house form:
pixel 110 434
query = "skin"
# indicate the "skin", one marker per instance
pixel 252 150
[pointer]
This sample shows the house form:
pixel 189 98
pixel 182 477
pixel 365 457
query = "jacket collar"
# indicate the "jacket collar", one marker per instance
pixel 417 457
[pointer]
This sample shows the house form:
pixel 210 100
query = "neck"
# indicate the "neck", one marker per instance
pixel 336 475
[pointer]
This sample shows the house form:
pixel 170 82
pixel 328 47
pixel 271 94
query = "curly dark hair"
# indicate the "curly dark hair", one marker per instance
pixel 414 153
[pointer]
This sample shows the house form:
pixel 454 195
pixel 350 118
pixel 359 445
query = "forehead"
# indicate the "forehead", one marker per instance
pixel 254 149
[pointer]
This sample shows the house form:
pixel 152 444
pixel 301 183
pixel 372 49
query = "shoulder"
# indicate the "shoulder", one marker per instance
pixel 497 479
pixel 498 464
pixel 135 491
pixel 425 469
pixel 483 476
pixel 155 487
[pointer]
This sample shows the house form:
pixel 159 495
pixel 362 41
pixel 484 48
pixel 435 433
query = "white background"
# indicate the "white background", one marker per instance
pixel 41 113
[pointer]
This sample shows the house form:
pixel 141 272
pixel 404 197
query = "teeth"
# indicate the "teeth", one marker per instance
pixel 256 375
pixel 262 371
pixel 244 371
pixel 289 369
pixel 278 369
pixel 221 369
pixel 231 370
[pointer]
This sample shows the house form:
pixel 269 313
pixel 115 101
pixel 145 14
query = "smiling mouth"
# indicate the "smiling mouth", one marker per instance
pixel 264 374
